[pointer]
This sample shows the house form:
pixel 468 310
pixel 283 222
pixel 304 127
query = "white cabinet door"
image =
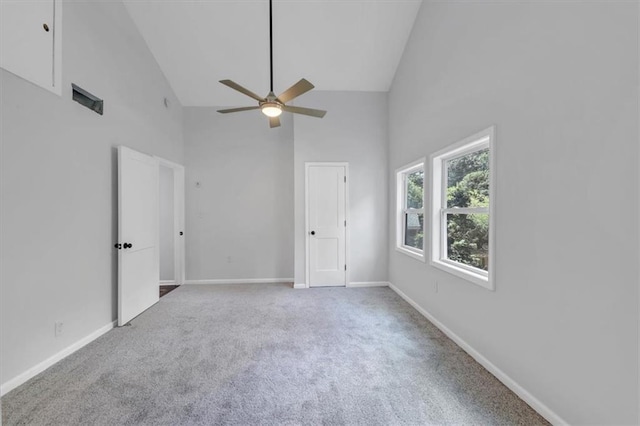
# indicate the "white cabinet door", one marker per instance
pixel 30 40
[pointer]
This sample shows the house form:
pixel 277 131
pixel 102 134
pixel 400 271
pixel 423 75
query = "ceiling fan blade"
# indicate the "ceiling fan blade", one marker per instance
pixel 306 111
pixel 303 86
pixel 274 122
pixel 225 111
pixel 241 89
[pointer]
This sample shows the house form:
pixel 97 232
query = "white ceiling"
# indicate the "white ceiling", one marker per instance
pixel 335 44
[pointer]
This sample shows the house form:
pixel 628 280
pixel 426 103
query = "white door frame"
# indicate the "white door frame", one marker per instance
pixel 178 219
pixel 307 266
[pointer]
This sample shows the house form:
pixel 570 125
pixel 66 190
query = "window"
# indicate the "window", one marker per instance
pixel 462 195
pixel 410 217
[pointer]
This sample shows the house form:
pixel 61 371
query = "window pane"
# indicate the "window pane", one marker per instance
pixel 468 180
pixel 413 230
pixel 468 239
pixel 415 182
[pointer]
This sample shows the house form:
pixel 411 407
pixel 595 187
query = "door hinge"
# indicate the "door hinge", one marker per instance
pixel 345 267
pixel 345 179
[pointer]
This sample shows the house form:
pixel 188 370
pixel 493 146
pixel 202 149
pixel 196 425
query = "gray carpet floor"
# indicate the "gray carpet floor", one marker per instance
pixel 262 354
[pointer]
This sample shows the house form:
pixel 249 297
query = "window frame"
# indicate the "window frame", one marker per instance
pixel 439 210
pixel 402 209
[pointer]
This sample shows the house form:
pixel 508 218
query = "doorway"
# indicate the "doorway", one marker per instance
pixel 326 211
pixel 171 225
pixel 139 229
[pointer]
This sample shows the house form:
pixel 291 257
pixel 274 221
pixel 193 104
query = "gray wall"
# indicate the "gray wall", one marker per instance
pixel 167 243
pixel 354 130
pixel 240 219
pixel 58 181
pixel 560 81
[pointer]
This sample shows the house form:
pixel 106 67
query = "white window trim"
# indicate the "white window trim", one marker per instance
pixel 401 184
pixel 480 140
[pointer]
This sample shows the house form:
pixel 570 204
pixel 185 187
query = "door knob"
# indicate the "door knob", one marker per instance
pixel 313 232
pixel 127 245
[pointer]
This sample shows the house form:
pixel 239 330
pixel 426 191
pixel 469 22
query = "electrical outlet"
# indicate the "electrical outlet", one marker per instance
pixel 436 286
pixel 58 328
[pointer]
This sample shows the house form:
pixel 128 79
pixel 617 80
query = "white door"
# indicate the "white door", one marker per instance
pixel 326 225
pixel 138 219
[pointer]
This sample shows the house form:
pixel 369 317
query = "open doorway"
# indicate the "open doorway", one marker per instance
pixel 171 223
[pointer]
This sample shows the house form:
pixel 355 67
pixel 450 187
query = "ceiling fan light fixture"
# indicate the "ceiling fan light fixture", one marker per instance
pixel 272 105
pixel 271 109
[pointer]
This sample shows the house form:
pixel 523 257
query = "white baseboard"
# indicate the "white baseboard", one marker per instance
pixel 369 284
pixel 241 281
pixel 353 284
pixel 535 403
pixel 39 368
pixel 167 282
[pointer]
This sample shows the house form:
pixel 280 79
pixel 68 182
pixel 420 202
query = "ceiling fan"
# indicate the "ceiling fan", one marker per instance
pixel 272 106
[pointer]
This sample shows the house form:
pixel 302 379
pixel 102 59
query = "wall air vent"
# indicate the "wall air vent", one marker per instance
pixel 87 99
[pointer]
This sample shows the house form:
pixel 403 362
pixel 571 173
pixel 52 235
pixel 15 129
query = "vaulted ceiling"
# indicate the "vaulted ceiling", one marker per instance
pixel 335 44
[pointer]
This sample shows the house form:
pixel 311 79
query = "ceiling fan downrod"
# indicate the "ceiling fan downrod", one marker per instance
pixel 271 46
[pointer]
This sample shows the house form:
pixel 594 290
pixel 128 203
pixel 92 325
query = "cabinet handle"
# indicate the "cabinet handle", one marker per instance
pixel 46 27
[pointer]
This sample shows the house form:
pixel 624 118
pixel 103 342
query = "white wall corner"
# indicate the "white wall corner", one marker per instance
pixel 527 397
pixel 39 368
